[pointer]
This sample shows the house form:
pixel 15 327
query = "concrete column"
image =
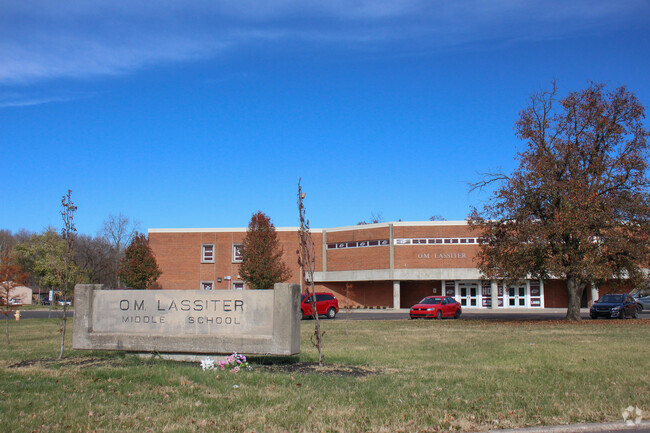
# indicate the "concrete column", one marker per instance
pixel 396 294
pixel 494 294
pixel 594 294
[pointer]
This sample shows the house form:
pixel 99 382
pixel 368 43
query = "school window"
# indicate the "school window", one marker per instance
pixel 236 253
pixel 238 285
pixel 207 253
pixel 207 285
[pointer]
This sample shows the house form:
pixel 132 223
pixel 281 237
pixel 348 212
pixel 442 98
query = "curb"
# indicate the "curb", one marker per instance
pixel 575 428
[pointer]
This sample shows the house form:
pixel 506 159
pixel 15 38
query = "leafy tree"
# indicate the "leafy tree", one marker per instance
pixel 11 275
pixel 138 269
pixel 577 207
pixel 262 265
pixel 42 256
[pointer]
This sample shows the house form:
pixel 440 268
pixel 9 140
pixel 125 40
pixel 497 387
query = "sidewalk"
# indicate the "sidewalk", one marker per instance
pixel 586 428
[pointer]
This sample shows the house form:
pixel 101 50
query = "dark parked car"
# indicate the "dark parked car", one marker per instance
pixel 641 297
pixel 614 306
pixel 436 306
pixel 326 305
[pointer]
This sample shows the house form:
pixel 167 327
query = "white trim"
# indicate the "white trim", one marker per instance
pixel 203 245
pixel 206 282
pixel 234 257
pixel 220 230
pixel 398 224
pixel 315 230
pixel 398 274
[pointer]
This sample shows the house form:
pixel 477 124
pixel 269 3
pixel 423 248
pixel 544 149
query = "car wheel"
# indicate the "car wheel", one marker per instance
pixel 457 315
pixel 304 316
pixel 439 315
pixel 593 317
pixel 635 315
pixel 621 315
pixel 331 313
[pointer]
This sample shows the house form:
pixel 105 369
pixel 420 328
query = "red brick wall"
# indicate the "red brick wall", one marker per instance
pixel 358 234
pixel 358 258
pixel 435 256
pixel 363 294
pixel 179 257
pixel 555 294
pixel 411 292
pixel 434 231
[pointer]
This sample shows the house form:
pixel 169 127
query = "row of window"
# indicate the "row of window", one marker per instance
pixel 436 241
pixel 403 241
pixel 207 253
pixel 207 250
pixel 209 285
pixel 359 244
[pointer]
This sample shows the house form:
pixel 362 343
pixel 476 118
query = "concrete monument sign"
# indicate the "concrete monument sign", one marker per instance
pixel 188 321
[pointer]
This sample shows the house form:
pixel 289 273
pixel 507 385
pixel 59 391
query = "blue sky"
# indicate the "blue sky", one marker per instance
pixel 198 113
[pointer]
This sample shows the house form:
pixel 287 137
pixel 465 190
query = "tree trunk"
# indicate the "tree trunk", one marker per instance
pixel 63 329
pixel 575 287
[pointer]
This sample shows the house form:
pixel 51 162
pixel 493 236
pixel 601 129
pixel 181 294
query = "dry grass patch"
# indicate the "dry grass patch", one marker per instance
pixel 426 376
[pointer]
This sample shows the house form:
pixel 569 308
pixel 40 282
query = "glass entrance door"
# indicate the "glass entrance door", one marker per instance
pixel 468 294
pixel 516 296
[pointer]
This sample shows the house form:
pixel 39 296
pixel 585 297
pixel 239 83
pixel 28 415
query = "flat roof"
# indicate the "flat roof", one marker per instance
pixel 334 229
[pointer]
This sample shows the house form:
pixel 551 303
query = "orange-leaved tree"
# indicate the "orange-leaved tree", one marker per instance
pixel 262 265
pixel 578 206
pixel 11 275
pixel 138 268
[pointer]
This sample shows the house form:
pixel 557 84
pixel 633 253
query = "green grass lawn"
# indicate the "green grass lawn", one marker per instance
pixel 392 376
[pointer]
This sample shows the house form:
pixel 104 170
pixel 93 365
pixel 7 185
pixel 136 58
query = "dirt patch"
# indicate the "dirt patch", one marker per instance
pixel 68 362
pixel 324 370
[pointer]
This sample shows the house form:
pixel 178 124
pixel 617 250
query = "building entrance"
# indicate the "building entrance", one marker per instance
pixel 469 294
pixel 516 296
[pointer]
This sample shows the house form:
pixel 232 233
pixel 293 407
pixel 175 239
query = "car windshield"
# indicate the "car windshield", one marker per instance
pixel 430 301
pixel 611 299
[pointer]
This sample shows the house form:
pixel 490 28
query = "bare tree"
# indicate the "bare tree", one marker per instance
pixel 94 258
pixel 306 260
pixel 67 233
pixel 118 231
pixel 374 219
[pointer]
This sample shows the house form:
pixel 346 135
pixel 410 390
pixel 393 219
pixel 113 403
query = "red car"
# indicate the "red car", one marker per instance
pixel 436 306
pixel 326 305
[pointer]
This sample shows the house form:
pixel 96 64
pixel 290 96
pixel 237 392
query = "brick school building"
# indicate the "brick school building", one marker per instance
pixel 391 265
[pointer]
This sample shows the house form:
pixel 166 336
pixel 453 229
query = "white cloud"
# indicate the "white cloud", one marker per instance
pixel 44 39
pixel 15 99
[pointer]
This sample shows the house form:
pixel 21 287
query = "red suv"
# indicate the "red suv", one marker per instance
pixel 326 305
